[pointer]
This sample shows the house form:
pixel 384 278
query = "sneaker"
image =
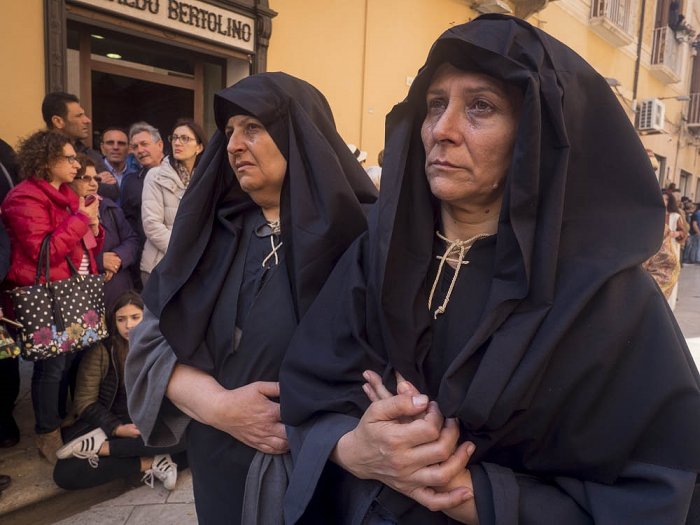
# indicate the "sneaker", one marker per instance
pixel 84 447
pixel 163 468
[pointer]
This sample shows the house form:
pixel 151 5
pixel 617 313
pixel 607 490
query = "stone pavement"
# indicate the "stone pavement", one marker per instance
pixel 143 506
pixel 119 505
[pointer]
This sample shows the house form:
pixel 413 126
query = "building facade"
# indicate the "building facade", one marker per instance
pixel 158 60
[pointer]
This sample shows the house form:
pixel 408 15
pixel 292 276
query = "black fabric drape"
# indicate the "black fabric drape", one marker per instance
pixel 577 365
pixel 321 209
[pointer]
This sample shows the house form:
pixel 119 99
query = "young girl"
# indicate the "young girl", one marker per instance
pixel 107 438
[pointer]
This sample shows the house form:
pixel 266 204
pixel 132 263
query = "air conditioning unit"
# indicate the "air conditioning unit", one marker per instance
pixel 650 116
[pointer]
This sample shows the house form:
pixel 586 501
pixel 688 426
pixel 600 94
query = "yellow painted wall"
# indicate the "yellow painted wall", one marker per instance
pixel 22 59
pixel 399 36
pixel 322 42
pixel 359 54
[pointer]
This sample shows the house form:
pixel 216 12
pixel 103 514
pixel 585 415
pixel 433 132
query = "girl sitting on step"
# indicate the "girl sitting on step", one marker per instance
pixel 108 445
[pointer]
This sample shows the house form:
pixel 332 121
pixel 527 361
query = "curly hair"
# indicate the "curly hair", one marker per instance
pixel 37 151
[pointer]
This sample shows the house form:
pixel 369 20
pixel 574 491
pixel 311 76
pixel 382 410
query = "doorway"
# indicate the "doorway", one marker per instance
pixel 122 78
pixel 121 101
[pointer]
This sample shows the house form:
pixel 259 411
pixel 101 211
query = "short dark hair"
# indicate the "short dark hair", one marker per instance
pixel 38 150
pixel 114 128
pixel 56 103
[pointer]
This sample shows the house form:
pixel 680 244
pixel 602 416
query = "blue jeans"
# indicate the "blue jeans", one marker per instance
pixel 49 391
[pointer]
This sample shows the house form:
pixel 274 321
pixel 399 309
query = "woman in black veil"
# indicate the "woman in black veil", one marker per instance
pixel 275 201
pixel 546 380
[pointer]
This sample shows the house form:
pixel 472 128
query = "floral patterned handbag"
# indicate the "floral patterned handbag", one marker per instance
pixel 60 316
pixel 8 347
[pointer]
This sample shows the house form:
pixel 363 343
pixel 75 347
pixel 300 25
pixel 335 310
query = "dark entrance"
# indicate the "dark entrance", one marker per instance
pixel 121 101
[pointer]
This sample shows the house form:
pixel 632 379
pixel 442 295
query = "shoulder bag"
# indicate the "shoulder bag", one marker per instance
pixel 61 316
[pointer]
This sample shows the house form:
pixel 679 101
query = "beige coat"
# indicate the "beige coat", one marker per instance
pixel 162 193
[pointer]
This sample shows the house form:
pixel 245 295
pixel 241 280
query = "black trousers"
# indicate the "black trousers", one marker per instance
pixel 9 390
pixel 74 473
pixel 122 463
pixel 9 387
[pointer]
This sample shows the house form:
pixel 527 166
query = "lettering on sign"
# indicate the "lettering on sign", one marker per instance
pixel 192 17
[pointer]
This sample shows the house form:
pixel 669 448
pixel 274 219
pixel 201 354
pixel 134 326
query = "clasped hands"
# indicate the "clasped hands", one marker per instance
pixel 405 442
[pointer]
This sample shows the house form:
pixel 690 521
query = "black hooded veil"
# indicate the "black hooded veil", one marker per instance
pixel 576 366
pixel 321 209
pixel 212 305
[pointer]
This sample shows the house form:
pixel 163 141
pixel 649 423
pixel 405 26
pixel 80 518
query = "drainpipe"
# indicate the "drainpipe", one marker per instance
pixel 638 62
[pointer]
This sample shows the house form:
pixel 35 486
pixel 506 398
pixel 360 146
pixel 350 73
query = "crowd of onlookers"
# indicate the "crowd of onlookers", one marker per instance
pixel 106 212
pixel 47 188
pixel 680 243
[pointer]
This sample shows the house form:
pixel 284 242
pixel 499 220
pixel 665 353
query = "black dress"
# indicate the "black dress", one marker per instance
pixel 566 369
pixel 210 302
pixel 251 349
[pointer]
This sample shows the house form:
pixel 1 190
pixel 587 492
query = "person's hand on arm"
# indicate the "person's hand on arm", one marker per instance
pixel 111 262
pixel 107 177
pixel 247 413
pixel 128 430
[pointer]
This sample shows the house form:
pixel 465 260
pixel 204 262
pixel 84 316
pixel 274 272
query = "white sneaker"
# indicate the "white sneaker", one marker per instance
pixel 163 468
pixel 84 447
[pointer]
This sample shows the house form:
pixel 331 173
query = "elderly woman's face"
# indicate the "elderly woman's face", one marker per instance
pixel 257 162
pixel 468 134
pixel 86 184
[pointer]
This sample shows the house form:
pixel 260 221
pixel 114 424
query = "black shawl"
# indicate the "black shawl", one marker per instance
pixel 321 209
pixel 577 365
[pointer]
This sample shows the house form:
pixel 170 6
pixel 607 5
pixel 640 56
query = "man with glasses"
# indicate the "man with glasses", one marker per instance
pixel 62 111
pixel 146 145
pixel 115 148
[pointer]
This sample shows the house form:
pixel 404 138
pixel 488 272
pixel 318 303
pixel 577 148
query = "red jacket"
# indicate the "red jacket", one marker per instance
pixel 32 210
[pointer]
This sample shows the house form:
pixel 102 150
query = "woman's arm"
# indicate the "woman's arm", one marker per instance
pixel 643 493
pixel 163 395
pixel 246 413
pixel 27 216
pixel 128 248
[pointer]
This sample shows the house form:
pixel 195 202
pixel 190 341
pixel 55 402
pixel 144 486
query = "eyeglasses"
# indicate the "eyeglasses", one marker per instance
pixel 184 139
pixel 72 159
pixel 88 178
pixel 115 143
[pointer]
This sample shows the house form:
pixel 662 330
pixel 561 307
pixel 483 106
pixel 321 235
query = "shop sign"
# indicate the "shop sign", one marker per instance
pixel 193 17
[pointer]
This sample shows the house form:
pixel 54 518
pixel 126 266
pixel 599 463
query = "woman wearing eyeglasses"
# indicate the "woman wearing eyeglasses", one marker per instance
pixel 121 245
pixel 40 205
pixel 163 189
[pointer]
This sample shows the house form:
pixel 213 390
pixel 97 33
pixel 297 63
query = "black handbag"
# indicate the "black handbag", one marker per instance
pixel 61 316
